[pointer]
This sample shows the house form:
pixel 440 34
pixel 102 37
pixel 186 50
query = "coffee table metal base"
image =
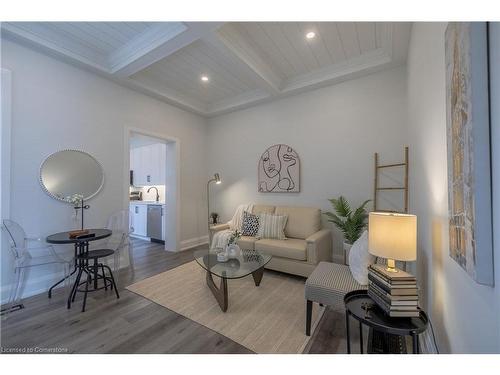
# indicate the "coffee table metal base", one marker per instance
pixel 221 294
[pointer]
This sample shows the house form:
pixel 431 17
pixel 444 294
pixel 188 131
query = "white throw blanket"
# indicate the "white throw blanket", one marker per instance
pixel 221 238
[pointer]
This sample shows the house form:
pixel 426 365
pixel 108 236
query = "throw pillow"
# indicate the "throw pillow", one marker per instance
pixel 272 226
pixel 360 259
pixel 250 225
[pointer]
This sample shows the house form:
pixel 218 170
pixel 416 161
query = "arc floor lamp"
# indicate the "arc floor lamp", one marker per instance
pixel 217 180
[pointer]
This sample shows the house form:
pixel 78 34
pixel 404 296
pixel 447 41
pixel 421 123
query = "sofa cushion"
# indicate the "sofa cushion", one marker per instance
pixel 247 242
pixel 272 226
pixel 291 248
pixel 250 225
pixel 302 221
pixel 262 209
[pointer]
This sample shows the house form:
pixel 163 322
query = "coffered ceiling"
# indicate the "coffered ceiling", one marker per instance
pixel 212 68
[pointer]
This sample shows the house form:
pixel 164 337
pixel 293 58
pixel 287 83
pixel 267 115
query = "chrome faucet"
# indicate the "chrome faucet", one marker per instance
pixel 157 194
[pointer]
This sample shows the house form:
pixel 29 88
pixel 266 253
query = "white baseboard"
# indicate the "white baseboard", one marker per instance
pixel 34 285
pixel 185 244
pixel 140 237
pixel 193 242
pixel 39 284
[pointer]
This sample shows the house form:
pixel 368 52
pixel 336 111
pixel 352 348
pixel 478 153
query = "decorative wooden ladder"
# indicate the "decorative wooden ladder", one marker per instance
pixel 404 188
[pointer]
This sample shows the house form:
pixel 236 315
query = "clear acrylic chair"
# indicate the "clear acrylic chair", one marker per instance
pixel 29 253
pixel 118 223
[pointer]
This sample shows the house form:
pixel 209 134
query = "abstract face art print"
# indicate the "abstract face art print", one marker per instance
pixel 279 170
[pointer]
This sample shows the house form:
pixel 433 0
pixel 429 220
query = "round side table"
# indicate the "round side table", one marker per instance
pixel 81 248
pixel 361 307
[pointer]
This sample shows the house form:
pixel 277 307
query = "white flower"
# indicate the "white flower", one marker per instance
pixel 75 199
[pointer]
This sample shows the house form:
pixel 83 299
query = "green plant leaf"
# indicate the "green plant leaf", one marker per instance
pixel 341 206
pixel 350 223
pixel 334 219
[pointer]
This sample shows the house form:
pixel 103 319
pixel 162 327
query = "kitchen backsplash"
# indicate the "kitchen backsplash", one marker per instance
pixel 151 196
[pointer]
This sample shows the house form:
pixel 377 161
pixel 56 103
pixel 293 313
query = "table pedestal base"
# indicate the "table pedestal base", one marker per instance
pixel 221 294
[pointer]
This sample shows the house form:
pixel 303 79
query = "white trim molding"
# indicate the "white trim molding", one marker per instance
pixel 172 187
pixel 193 242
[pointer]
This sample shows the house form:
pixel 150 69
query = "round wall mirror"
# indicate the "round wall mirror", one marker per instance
pixel 67 173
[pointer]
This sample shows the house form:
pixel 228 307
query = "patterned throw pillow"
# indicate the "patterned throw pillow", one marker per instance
pixel 272 226
pixel 250 225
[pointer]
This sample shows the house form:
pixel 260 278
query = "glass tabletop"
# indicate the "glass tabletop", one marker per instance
pixel 248 262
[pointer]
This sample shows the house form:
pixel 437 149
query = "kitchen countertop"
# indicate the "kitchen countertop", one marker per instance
pixel 147 202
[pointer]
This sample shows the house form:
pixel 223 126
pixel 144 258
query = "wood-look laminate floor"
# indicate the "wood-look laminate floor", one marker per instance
pixel 133 324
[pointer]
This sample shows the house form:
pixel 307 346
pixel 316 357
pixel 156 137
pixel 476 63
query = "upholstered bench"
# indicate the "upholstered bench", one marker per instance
pixel 327 285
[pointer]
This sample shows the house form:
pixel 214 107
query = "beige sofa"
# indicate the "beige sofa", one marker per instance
pixel 306 244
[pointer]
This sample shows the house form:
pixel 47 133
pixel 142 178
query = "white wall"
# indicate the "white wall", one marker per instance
pixel 495 157
pixel 57 106
pixel 6 93
pixel 335 130
pixel 466 315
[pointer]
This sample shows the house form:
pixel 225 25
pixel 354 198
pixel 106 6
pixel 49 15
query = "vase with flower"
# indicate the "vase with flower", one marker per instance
pixel 232 248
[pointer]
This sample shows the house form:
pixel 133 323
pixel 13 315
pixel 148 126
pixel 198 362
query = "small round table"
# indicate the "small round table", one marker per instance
pixel 360 306
pixel 81 247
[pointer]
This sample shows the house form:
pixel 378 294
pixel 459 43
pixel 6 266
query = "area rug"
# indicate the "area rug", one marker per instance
pixel 265 319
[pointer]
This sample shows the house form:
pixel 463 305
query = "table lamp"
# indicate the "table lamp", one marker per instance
pixel 392 236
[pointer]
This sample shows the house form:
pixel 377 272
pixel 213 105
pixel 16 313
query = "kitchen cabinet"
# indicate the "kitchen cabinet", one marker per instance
pixel 138 224
pixel 139 219
pixel 148 164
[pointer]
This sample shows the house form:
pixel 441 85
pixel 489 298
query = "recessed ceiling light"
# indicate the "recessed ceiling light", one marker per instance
pixel 310 35
pixel 204 78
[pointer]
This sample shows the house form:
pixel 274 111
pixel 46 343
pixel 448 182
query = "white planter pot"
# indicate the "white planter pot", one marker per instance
pixel 347 249
pixel 233 251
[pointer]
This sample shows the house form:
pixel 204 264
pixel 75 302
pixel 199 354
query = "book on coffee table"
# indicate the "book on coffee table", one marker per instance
pixel 77 233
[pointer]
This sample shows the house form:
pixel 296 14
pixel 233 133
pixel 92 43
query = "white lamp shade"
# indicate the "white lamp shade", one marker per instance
pixel 392 236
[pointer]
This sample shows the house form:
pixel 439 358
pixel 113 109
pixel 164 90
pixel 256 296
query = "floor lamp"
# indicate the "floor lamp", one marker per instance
pixel 217 180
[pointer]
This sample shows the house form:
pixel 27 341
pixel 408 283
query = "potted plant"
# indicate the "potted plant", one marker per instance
pixel 214 217
pixel 351 223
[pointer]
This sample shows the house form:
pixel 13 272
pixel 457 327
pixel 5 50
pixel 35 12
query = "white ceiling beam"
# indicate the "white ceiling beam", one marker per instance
pixel 145 42
pixel 22 35
pixel 237 102
pixel 375 62
pixel 229 39
pixel 352 68
pixel 173 40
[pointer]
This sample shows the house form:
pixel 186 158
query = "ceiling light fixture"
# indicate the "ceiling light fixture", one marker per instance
pixel 204 78
pixel 310 35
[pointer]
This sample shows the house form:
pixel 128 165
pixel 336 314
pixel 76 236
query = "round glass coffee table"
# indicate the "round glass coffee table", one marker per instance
pixel 250 262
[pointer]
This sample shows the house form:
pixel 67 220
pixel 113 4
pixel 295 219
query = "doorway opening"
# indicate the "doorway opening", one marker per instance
pixel 152 187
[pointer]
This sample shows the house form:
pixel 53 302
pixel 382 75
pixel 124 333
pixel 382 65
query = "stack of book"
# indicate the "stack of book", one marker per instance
pixel 395 292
